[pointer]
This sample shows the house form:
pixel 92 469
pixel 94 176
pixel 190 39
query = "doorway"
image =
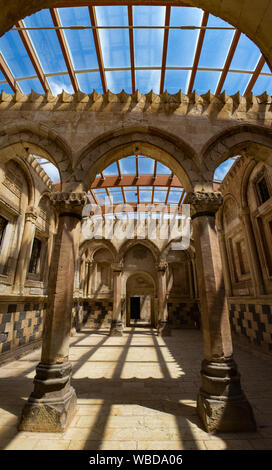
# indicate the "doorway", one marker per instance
pixel 135 308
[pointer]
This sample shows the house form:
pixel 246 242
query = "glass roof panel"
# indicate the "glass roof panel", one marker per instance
pixel 162 169
pixel 145 196
pixel 116 196
pixel 236 82
pixel 160 195
pixel 266 69
pixel 46 42
pixel 176 80
pixel 223 169
pixel 182 43
pixel 59 83
pixel 205 81
pixel 128 166
pixel 88 82
pixel 114 42
pixel 211 56
pixel 80 42
pixel 264 83
pixel 174 195
pixel 246 55
pixel 31 84
pixel 2 77
pixel 131 194
pixel 147 80
pixel 14 53
pixel 119 80
pixel 111 170
pixel 148 42
pixel 146 165
pixel 50 169
pixel 5 87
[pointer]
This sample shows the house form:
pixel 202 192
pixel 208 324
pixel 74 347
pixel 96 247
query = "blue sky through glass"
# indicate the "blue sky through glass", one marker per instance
pixel 88 82
pixel 212 56
pixel 146 165
pixel 116 52
pixel 114 42
pixel 46 43
pixel 80 43
pixel 148 42
pixel 182 44
pixel 15 55
pixel 59 83
pixel 119 80
pixel 222 169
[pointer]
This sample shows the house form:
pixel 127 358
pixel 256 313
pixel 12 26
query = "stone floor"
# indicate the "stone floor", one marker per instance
pixel 135 392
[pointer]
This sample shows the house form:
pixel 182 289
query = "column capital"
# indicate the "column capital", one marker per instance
pixel 31 214
pixel 205 203
pixel 117 267
pixel 69 203
pixel 162 266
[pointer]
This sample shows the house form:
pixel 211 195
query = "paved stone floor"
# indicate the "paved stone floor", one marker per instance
pixel 135 392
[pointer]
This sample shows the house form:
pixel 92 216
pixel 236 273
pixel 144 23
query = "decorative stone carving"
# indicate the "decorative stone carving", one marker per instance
pixel 71 203
pixel 206 202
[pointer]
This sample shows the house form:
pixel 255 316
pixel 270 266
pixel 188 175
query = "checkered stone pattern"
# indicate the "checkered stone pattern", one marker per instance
pixel 184 314
pixel 21 324
pixel 80 314
pixel 101 314
pixel 253 321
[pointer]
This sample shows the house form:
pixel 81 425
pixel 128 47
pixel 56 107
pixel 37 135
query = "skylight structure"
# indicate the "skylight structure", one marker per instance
pixel 130 47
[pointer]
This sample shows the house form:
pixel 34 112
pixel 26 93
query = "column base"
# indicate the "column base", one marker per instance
pixel 164 329
pixel 116 328
pixel 52 404
pixel 221 403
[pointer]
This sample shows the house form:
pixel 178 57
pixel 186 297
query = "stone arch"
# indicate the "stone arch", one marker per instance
pixel 128 244
pixel 27 139
pixel 189 252
pixel 250 140
pixel 96 245
pixel 257 25
pixel 151 142
pixel 228 199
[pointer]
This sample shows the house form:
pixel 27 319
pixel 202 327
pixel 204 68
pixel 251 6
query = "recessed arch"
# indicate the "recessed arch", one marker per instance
pixel 150 142
pixel 250 140
pixel 95 245
pixel 25 140
pixel 128 244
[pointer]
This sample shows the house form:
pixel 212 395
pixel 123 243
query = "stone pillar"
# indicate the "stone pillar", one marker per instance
pixel 25 250
pixel 254 262
pixel 86 271
pixel 90 277
pixel 221 403
pixel 116 324
pixel 163 323
pixel 195 277
pixel 225 262
pixel 52 404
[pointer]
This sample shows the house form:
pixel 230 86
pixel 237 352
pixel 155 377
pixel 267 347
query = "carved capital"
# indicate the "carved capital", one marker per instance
pixel 206 203
pixel 117 267
pixel 69 203
pixel 162 266
pixel 31 215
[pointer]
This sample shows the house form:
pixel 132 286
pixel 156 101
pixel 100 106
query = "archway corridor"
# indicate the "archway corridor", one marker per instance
pixel 137 391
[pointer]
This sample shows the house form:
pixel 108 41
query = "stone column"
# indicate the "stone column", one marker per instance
pixel 163 323
pixel 25 250
pixel 90 277
pixel 225 262
pixel 52 404
pixel 254 262
pixel 116 324
pixel 86 271
pixel 221 403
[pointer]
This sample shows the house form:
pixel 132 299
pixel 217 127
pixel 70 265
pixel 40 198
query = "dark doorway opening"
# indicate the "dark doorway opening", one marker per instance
pixel 135 308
